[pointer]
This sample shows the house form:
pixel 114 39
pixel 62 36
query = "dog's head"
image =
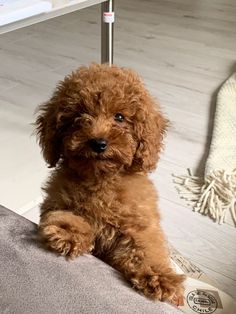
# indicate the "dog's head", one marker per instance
pixel 101 117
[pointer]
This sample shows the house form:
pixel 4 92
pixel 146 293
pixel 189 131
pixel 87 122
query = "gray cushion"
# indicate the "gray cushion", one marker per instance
pixel 33 280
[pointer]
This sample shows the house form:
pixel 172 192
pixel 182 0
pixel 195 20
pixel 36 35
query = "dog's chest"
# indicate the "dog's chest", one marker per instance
pixel 100 206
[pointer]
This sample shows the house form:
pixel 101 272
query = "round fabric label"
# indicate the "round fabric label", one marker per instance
pixel 202 301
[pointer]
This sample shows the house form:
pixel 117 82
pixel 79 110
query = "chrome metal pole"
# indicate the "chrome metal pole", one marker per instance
pixel 107 32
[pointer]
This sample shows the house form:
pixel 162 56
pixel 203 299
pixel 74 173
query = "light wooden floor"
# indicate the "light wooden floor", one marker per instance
pixel 184 49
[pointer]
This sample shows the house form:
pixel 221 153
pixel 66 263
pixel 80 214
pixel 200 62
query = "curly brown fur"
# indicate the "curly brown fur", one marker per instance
pixel 104 201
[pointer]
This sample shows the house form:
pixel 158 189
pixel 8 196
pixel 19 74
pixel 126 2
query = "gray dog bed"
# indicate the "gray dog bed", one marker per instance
pixel 33 280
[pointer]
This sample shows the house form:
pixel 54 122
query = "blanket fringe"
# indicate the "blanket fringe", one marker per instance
pixel 215 195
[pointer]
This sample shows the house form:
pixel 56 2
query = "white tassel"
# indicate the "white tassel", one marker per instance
pixel 215 196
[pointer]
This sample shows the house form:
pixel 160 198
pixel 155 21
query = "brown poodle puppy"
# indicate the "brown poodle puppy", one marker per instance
pixel 102 132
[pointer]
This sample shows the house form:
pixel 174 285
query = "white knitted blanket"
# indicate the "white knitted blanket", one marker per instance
pixel 215 194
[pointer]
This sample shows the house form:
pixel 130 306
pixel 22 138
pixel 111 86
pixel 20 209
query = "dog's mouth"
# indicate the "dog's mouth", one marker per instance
pixel 92 157
pixel 108 157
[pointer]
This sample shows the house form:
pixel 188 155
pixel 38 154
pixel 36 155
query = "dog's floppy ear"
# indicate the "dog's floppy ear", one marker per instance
pixel 46 129
pixel 150 127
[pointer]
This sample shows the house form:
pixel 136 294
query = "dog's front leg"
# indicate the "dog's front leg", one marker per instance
pixel 144 261
pixel 67 234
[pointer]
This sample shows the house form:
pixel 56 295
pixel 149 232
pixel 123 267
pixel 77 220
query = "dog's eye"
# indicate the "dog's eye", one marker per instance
pixel 119 117
pixel 77 121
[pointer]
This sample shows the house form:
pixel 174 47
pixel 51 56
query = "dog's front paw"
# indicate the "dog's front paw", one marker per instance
pixel 65 241
pixel 163 287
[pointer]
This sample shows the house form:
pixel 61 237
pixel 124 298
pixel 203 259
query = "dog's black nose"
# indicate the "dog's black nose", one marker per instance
pixel 98 145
